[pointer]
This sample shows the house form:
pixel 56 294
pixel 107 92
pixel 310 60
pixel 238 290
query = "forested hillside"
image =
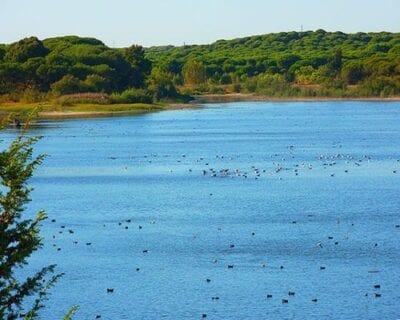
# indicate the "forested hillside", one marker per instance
pixel 269 63
pixel 284 64
pixel 31 69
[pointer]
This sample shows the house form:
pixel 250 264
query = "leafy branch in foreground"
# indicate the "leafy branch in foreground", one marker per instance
pixel 71 312
pixel 19 237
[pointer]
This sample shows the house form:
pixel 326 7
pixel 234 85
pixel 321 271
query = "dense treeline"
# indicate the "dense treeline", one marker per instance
pixel 293 63
pixel 31 69
pixel 284 64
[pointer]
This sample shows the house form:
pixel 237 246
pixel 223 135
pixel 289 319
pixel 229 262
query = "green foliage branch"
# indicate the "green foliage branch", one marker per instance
pixel 19 236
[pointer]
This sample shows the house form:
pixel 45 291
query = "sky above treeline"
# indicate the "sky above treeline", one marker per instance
pixel 121 23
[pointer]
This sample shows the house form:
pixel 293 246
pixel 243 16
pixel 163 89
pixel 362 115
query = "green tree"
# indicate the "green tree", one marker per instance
pixel 121 78
pixel 272 85
pixel 96 83
pixel 194 72
pixel 322 75
pixel 11 77
pixel 304 74
pixel 286 61
pixel 67 85
pixel 353 72
pixel 381 86
pixel 19 235
pixel 25 49
pixel 2 52
pixel 225 79
pixel 140 65
pixel 335 61
pixel 161 84
pixel 380 66
pixel 54 68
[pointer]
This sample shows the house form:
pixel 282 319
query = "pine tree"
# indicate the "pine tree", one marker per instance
pixel 19 236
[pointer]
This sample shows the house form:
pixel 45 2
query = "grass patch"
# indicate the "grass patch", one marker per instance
pixel 46 108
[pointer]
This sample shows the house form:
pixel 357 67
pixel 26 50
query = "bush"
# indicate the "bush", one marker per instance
pixel 381 86
pixel 67 85
pixel 272 85
pixel 132 96
pixel 83 98
pixel 32 95
pixel 64 101
pixel 96 83
pixel 161 84
pixel 353 72
pixel 250 85
pixel 196 90
pixel 226 79
pixel 216 90
pixel 194 72
pixel 237 87
pixel 10 97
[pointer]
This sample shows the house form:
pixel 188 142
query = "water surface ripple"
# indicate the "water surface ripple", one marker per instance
pixel 300 197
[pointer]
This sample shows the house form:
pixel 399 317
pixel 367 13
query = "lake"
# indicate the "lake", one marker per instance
pixel 223 210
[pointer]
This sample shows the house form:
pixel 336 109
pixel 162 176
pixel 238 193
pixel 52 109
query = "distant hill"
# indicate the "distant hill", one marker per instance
pixel 311 63
pixel 286 53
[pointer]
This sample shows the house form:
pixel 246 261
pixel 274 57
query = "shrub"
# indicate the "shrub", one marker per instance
pixel 216 90
pixel 194 72
pixel 132 96
pixel 83 98
pixel 353 72
pixel 31 95
pixel 226 79
pixel 237 87
pixel 161 85
pixel 67 85
pixel 381 86
pixel 96 83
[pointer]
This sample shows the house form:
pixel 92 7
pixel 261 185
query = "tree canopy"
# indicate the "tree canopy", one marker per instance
pixel 311 57
pixel 31 63
pixel 330 59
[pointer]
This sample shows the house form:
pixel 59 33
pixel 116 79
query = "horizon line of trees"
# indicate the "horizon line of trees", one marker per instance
pixel 311 62
pixel 32 69
pixel 291 63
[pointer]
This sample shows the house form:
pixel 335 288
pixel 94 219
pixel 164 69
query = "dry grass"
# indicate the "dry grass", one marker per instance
pixel 49 109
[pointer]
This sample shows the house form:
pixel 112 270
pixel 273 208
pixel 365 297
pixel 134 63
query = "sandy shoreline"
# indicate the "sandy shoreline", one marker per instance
pixel 89 114
pixel 83 114
pixel 197 102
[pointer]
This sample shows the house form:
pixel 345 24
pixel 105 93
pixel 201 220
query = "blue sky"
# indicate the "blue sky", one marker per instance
pixel 159 22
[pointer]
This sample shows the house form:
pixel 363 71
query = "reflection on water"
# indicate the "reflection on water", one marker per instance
pixel 224 210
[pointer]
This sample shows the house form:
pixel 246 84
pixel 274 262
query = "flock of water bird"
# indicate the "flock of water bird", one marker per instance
pixel 279 166
pixel 284 162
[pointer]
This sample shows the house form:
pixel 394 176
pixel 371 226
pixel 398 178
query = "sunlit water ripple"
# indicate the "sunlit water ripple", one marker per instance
pixel 316 185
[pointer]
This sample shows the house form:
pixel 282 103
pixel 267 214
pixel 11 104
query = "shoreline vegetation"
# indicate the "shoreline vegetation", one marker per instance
pixel 248 97
pixel 50 110
pixel 72 76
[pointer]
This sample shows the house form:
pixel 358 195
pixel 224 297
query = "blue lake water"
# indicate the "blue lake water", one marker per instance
pixel 300 197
